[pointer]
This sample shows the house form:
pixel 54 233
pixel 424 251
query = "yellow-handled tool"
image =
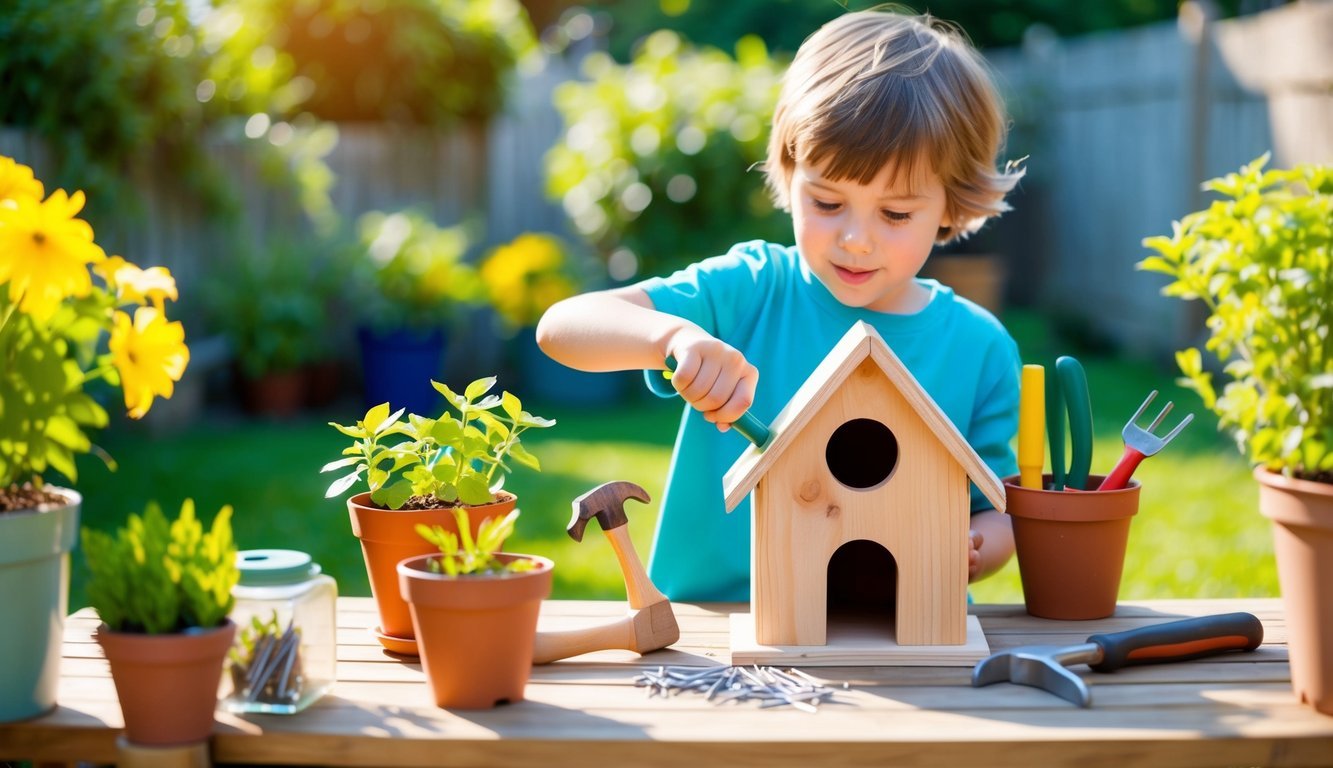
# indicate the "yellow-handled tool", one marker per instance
pixel 1031 426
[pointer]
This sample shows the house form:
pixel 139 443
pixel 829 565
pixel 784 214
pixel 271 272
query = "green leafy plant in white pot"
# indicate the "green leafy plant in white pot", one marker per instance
pixel 71 316
pixel 1260 260
pixel 418 469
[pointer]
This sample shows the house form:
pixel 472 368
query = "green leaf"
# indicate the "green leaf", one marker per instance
pixel 339 486
pixel 522 456
pixel 473 489
pixel 390 424
pixel 397 494
pixel 511 405
pixel 340 463
pixel 478 388
pixel 374 418
pixel 349 431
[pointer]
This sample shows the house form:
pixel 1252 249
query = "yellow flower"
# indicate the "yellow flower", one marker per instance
pixel 150 354
pixel 140 286
pixel 45 252
pixel 16 180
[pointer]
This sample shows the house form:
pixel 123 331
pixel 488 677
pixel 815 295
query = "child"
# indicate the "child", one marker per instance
pixel 884 143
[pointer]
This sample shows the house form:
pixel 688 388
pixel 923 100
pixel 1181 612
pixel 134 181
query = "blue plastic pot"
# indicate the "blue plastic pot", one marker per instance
pixel 34 592
pixel 397 367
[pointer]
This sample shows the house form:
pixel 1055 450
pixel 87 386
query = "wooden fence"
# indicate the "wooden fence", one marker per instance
pixel 1122 128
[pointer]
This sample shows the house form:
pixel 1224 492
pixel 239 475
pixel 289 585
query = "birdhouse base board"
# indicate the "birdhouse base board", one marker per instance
pixel 856 643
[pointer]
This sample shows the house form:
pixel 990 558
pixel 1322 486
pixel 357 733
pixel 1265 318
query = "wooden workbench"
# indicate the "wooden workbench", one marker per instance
pixel 1233 710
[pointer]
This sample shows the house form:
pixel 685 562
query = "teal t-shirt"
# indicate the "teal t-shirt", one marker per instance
pixel 762 299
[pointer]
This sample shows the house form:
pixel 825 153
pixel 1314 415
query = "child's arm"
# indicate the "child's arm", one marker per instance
pixel 992 544
pixel 619 330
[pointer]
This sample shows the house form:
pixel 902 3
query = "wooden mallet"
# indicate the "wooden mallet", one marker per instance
pixel 650 623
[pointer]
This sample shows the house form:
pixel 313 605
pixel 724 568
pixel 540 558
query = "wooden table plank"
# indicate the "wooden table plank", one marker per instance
pixel 1235 709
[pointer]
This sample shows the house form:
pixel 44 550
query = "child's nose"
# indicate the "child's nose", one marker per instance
pixel 854 240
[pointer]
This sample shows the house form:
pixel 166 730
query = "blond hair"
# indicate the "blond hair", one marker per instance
pixel 874 88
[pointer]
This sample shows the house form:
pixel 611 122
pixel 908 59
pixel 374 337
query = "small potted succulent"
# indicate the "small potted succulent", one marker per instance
pixel 1261 260
pixel 419 469
pixel 71 318
pixel 163 590
pixel 474 610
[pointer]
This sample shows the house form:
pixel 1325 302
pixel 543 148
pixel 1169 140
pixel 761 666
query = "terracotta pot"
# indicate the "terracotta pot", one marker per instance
pixel 1302 515
pixel 34 590
pixel 281 394
pixel 475 632
pixel 1071 547
pixel 388 536
pixel 167 684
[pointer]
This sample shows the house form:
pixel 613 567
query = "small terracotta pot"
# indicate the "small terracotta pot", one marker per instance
pixel 475 633
pixel 389 536
pixel 167 684
pixel 1302 515
pixel 1071 547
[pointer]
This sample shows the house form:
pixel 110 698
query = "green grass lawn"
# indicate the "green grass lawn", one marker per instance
pixel 1198 532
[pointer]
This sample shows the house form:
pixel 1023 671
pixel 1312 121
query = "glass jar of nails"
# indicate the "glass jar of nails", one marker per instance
pixel 286 641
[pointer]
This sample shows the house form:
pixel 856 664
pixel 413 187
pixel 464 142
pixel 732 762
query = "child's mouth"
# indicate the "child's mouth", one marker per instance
pixel 852 277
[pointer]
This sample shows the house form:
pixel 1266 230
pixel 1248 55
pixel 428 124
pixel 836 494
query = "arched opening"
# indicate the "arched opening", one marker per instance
pixel 862 581
pixel 862 454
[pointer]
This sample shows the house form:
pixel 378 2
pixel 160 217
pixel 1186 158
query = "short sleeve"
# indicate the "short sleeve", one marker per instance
pixel 720 294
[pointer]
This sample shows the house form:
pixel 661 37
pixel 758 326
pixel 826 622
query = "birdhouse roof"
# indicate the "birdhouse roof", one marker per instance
pixel 860 342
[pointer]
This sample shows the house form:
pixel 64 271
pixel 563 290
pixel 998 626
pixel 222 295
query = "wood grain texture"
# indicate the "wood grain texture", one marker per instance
pixel 1231 710
pixel 859 643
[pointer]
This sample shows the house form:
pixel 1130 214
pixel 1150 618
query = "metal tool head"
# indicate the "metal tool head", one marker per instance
pixel 1037 666
pixel 1145 441
pixel 606 502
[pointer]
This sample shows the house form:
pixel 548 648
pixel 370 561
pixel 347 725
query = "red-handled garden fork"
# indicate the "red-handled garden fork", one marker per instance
pixel 1140 443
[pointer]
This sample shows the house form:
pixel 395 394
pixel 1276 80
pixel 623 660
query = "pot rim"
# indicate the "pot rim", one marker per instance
pixel 1268 477
pixel 362 501
pixel 416 568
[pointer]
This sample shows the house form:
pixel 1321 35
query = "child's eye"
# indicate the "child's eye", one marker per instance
pixel 896 217
pixel 825 206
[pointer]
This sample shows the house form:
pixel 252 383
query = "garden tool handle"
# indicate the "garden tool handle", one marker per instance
pixel 751 428
pixel 1055 434
pixel 1178 641
pixel 1124 469
pixel 1074 388
pixel 561 644
pixel 1031 426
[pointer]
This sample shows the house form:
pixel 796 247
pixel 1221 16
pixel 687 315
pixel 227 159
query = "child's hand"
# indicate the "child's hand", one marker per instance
pixel 713 377
pixel 974 555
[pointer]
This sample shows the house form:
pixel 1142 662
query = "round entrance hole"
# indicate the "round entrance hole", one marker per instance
pixel 862 453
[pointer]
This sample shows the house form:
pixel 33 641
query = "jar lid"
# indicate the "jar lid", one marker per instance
pixel 267 567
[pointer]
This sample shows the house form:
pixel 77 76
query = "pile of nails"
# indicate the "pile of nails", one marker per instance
pixel 770 686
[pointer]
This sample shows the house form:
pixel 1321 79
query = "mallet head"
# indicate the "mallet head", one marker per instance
pixel 1038 666
pixel 606 502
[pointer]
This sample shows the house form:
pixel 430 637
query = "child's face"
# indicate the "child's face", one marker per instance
pixel 866 243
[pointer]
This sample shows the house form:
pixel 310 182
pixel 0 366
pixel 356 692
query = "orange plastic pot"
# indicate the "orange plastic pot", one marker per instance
pixel 167 684
pixel 475 633
pixel 389 536
pixel 1302 515
pixel 1070 547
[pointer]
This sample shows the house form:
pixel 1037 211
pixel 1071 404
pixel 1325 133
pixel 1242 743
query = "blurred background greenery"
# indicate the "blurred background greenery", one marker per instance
pixel 311 169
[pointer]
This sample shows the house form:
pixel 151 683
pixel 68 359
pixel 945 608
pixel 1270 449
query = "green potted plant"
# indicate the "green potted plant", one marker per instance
pixel 273 321
pixel 418 469
pixel 1260 258
pixel 163 592
pixel 474 610
pixel 411 285
pixel 70 316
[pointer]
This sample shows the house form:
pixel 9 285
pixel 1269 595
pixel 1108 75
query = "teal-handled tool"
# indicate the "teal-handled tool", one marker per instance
pixel 1067 396
pixel 751 428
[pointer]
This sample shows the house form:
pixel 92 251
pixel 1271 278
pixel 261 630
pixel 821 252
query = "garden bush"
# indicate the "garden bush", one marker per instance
pixel 655 164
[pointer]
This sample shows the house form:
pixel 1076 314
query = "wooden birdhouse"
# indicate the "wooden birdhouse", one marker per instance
pixel 860 454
